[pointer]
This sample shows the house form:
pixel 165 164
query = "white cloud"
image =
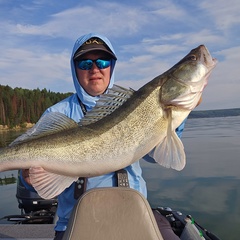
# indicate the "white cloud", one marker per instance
pixel 168 10
pixel 225 13
pixel 113 18
pixel 36 69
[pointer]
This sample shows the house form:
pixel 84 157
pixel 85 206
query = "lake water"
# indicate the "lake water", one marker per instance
pixel 208 188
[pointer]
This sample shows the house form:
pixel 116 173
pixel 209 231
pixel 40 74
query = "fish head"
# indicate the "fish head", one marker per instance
pixel 185 81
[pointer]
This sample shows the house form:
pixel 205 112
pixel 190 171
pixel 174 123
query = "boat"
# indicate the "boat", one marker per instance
pixel 37 218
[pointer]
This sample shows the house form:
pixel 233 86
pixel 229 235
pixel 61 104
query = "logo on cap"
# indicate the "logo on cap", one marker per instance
pixel 94 41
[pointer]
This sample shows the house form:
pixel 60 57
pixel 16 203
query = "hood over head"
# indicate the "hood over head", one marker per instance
pixel 81 47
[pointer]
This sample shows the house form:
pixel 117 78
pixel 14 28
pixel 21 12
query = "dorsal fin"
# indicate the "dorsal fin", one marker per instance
pixel 107 104
pixel 48 124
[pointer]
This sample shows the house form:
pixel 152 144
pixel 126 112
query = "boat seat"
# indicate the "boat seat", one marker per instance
pixel 112 213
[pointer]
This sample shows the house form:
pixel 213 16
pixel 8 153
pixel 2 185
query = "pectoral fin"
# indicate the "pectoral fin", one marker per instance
pixel 49 185
pixel 170 152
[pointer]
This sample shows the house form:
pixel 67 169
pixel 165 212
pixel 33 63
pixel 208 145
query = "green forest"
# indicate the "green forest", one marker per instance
pixel 19 106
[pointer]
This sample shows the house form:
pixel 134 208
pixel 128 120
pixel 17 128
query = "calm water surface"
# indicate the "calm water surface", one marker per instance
pixel 208 187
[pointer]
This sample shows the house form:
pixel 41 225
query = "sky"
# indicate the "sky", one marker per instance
pixel 149 37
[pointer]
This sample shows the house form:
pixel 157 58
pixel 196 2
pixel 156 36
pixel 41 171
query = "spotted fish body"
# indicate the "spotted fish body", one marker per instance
pixel 125 126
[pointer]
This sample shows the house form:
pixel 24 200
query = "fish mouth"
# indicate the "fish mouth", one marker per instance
pixel 206 58
pixel 214 62
pixel 211 64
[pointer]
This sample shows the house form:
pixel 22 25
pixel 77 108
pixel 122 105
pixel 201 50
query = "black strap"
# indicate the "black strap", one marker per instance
pixel 83 107
pixel 81 183
pixel 80 187
pixel 122 178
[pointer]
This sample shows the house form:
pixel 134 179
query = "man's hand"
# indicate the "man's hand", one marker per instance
pixel 25 175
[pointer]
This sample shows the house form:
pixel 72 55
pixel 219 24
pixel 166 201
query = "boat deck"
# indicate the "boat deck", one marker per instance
pixel 27 231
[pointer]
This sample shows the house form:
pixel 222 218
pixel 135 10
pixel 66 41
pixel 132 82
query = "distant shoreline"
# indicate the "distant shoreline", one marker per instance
pixel 5 128
pixel 215 113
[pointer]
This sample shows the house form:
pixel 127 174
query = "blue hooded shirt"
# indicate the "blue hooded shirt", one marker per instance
pixel 71 107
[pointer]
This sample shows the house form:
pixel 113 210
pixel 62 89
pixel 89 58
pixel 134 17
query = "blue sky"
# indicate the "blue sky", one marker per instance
pixel 37 36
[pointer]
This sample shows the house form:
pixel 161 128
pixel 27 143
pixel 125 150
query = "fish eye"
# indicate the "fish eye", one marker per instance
pixel 192 57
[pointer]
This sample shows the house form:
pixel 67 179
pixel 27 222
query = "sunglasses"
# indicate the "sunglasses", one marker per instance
pixel 86 64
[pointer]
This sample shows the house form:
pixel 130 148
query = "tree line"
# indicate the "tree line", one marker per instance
pixel 19 106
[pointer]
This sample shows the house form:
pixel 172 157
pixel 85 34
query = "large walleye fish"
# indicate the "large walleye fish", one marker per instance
pixel 123 127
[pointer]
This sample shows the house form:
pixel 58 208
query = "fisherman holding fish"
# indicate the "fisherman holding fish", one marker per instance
pixel 83 141
pixel 92 63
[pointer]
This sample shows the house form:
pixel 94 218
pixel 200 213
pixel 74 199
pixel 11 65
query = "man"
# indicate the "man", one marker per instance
pixel 92 64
